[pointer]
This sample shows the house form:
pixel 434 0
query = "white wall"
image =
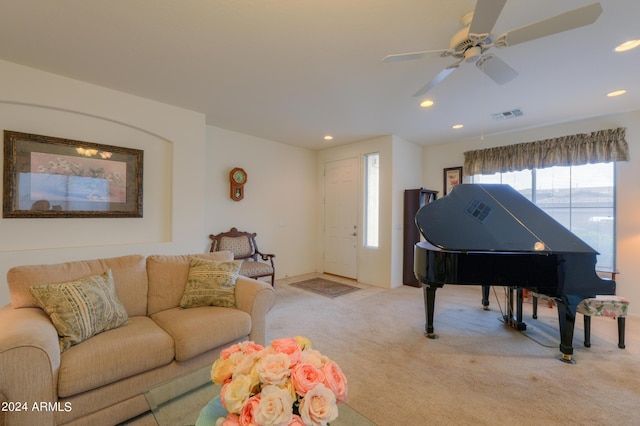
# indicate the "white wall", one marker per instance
pixel 437 157
pixel 173 141
pixel 407 174
pixel 279 204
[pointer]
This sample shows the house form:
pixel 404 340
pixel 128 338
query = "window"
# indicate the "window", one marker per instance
pixel 582 198
pixel 372 198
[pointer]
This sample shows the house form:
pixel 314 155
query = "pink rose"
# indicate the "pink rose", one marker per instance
pixel 249 347
pixel 288 346
pixel 296 421
pixel 275 408
pixel 226 352
pixel 274 369
pixel 230 420
pixel 335 380
pixel 305 377
pixel 318 407
pixel 247 415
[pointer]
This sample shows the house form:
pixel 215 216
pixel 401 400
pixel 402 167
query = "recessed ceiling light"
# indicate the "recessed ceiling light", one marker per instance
pixel 457 126
pixel 627 45
pixel 328 138
pixel 426 103
pixel 616 93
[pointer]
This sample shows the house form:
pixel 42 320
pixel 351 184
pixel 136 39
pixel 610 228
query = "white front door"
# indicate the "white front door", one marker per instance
pixel 341 218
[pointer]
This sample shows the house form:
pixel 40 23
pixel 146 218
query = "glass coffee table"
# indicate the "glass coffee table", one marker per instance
pixel 178 402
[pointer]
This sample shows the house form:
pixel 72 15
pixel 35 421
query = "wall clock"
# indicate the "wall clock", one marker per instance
pixel 237 179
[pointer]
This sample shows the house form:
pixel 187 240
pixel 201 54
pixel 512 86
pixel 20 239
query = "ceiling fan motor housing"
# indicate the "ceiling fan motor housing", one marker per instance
pixel 469 46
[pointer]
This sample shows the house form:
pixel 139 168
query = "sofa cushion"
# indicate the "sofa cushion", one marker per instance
pixel 198 330
pixel 211 283
pixel 82 308
pixel 129 278
pixel 168 277
pixel 114 355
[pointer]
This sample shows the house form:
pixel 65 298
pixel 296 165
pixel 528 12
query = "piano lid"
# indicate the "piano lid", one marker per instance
pixel 494 217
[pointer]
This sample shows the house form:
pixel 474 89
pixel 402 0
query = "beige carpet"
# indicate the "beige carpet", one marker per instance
pixel 478 372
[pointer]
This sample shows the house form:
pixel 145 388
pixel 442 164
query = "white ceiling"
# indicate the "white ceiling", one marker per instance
pixel 295 70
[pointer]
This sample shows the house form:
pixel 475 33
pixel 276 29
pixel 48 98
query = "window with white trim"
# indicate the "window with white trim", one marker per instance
pixel 372 199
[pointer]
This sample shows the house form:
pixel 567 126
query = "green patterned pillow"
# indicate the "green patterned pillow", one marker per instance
pixel 211 283
pixel 82 308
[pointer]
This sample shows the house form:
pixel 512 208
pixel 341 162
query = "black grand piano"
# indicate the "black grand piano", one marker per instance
pixel 491 235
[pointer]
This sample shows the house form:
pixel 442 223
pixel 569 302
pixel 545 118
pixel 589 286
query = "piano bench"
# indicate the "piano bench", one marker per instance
pixel 604 306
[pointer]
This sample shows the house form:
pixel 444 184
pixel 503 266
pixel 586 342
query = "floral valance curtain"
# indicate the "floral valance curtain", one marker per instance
pixel 602 146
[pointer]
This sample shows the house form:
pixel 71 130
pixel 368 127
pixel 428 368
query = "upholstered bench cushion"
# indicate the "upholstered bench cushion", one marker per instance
pixel 197 330
pixel 604 306
pixel 544 298
pixel 255 269
pixel 107 357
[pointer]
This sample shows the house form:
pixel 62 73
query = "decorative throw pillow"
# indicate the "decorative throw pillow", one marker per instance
pixel 211 283
pixel 82 308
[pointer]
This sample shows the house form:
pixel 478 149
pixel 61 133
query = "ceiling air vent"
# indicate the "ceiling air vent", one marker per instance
pixel 508 114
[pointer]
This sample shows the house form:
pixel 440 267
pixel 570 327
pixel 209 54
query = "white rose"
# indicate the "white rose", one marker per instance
pixel 313 357
pixel 274 369
pixel 275 407
pixel 318 407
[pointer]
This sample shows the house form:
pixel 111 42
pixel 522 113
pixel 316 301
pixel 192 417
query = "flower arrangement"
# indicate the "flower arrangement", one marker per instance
pixel 287 383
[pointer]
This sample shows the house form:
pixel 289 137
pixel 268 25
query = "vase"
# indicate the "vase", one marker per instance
pixel 211 412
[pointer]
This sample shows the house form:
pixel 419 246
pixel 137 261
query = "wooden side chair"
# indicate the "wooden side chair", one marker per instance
pixel 243 246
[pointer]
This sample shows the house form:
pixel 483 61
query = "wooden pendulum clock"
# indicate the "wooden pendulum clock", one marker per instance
pixel 237 179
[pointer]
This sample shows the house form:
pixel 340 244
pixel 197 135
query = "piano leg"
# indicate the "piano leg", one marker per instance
pixel 429 303
pixel 566 321
pixel 520 325
pixel 485 297
pixel 509 319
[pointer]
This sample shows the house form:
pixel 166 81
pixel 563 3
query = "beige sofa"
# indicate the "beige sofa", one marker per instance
pixel 100 381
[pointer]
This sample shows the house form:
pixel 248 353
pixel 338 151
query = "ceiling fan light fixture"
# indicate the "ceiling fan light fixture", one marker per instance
pixel 472 54
pixel 627 45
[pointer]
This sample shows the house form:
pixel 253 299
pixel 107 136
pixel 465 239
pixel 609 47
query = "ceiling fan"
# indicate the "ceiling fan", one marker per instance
pixel 471 43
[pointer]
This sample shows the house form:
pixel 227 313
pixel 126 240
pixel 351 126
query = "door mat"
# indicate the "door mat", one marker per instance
pixel 325 287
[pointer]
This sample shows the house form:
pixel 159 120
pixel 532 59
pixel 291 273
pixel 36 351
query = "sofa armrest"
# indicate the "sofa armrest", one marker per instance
pixel 29 363
pixel 256 298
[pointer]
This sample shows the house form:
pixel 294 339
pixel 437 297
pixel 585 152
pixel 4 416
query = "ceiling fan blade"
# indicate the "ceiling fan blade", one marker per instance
pixel 575 18
pixel 437 79
pixel 485 16
pixel 497 69
pixel 415 55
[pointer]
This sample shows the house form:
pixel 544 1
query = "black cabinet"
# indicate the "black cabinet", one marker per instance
pixel 413 200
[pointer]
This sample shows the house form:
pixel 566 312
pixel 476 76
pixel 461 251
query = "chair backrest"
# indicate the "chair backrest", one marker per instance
pixel 241 244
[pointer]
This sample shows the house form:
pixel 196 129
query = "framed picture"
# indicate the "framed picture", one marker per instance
pixel 47 177
pixel 452 177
